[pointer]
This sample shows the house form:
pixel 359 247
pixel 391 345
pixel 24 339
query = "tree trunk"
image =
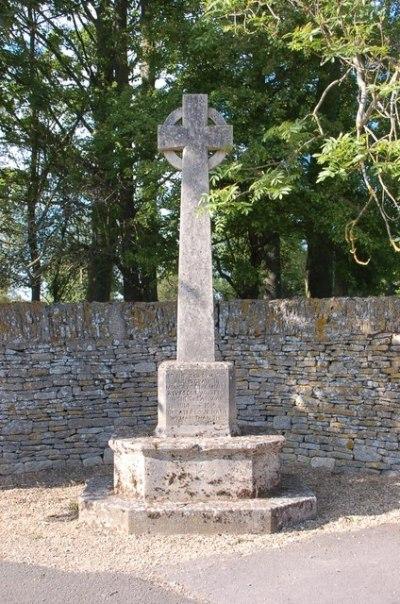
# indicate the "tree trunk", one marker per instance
pixel 102 253
pixel 340 275
pixel 321 249
pixel 272 269
pixel 138 287
pixel 33 189
pixel 139 280
pixel 101 259
pixel 320 261
pixel 265 257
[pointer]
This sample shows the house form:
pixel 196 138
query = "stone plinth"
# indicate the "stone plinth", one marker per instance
pixel 189 469
pixel 100 507
pixel 196 485
pixel 196 399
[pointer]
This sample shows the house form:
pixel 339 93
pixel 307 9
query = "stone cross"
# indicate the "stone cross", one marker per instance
pixel 188 130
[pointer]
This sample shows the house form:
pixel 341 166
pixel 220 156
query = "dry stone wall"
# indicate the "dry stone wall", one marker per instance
pixel 325 373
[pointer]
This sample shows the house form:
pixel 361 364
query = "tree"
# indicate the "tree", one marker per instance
pixel 33 139
pixel 348 116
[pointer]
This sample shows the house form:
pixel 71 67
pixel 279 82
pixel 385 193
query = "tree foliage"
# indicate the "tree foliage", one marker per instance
pixel 306 202
pixel 361 38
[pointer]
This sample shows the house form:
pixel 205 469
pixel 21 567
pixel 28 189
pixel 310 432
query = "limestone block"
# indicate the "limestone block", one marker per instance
pixel 18 427
pixel 196 399
pixel 145 367
pixel 362 453
pixel 108 456
pixel 92 461
pixel 327 463
pixel 38 466
pixel 282 422
pixel 187 469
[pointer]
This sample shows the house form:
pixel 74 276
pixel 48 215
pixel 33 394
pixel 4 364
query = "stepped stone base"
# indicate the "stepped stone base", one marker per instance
pixel 100 507
pixel 205 485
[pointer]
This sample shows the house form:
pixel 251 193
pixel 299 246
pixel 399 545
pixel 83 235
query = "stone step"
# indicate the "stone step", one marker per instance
pixel 100 508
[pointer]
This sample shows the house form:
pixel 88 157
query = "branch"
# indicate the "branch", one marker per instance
pixel 61 60
pixel 363 93
pixel 323 97
pixel 222 273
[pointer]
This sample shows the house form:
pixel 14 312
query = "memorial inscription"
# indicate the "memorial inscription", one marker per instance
pixel 196 399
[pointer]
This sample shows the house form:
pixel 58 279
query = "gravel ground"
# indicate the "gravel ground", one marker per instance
pixel 39 525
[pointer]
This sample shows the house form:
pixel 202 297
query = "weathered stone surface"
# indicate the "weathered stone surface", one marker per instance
pixel 108 456
pixel 196 399
pixel 16 426
pixel 189 469
pixel 362 453
pixel 99 507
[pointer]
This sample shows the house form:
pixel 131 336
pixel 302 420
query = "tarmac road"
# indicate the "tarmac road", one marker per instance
pixel 360 567
pixel 28 584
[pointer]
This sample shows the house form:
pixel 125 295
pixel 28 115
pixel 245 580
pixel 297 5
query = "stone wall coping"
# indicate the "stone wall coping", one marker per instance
pixel 23 324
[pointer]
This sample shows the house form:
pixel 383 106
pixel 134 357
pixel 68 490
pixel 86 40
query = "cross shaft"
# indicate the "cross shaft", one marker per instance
pixel 195 138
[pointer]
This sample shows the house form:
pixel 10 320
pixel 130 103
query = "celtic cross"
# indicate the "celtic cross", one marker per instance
pixel 188 130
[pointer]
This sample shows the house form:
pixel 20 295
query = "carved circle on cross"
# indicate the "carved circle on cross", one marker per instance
pixel 174 159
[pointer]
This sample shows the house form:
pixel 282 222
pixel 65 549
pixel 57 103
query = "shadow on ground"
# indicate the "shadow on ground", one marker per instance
pixel 23 584
pixel 349 496
pixel 53 478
